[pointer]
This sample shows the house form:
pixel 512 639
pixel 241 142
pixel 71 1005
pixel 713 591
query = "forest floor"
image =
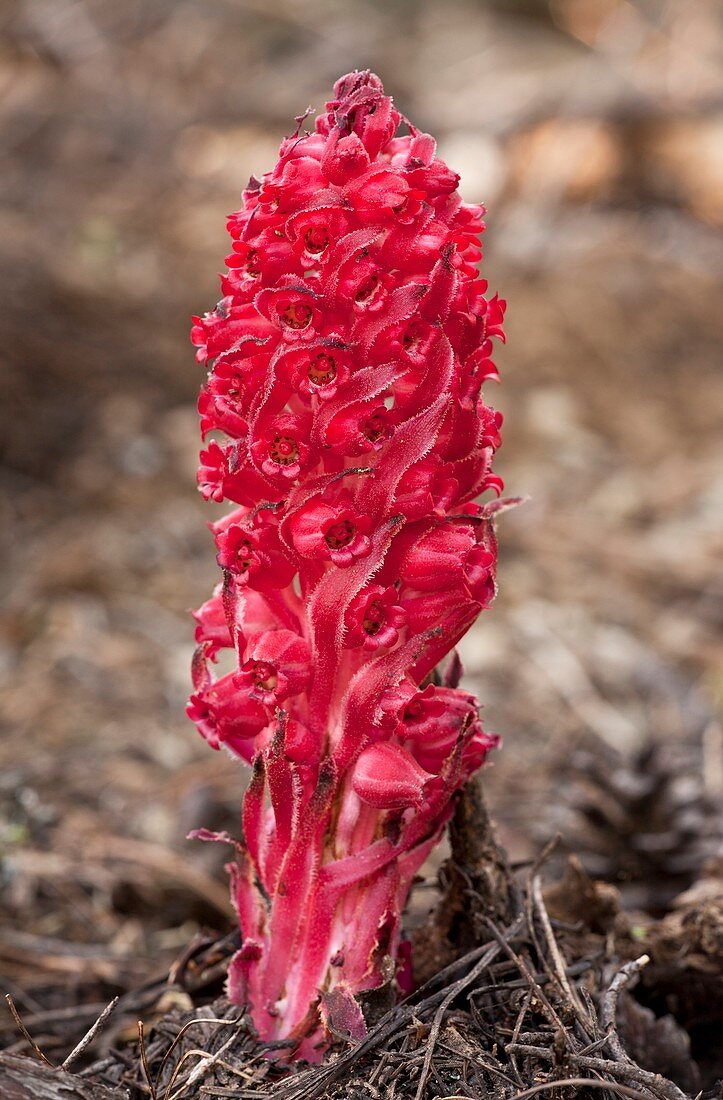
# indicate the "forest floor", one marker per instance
pixel 596 141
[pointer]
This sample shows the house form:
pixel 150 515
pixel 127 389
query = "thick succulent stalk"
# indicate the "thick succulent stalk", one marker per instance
pixel 345 361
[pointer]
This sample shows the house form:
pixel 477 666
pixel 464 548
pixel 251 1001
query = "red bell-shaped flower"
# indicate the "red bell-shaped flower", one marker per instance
pixel 275 666
pixel 335 532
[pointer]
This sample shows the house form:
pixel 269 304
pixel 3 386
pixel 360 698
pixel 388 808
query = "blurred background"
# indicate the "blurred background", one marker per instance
pixel 593 129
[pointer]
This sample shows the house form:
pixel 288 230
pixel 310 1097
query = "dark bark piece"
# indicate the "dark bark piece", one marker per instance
pixel 479 886
pixel 28 1079
pixel 483 864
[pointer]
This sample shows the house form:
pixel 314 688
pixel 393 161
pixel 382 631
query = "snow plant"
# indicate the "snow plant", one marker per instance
pixel 345 363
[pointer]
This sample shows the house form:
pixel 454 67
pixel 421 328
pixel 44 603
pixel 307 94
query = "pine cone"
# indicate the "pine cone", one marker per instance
pixel 646 824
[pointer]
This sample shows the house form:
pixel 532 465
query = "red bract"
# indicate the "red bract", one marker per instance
pixel 345 367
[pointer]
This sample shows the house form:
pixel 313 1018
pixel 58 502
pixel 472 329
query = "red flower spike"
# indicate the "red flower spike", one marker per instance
pixel 345 366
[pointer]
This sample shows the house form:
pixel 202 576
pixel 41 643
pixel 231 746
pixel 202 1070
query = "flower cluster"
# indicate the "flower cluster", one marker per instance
pixel 345 363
